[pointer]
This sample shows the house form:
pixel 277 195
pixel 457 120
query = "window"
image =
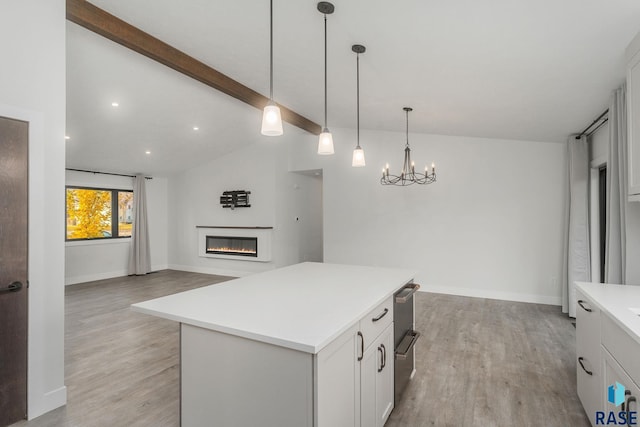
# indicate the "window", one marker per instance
pixel 98 213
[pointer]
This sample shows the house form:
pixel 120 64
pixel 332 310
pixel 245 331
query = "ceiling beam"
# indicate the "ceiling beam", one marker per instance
pixel 101 22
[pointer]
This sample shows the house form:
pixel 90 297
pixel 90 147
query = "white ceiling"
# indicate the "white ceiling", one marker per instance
pixel 515 69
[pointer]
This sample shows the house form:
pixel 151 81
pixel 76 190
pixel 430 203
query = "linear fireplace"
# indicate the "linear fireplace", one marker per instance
pixel 232 245
pixel 235 243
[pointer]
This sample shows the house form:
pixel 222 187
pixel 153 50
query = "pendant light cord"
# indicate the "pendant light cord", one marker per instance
pixel 358 98
pixel 271 50
pixel 325 71
pixel 407 111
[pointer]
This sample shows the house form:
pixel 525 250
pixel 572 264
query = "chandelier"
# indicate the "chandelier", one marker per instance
pixel 408 176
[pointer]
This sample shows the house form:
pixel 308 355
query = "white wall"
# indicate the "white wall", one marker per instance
pixel 32 88
pixel 600 148
pixel 95 260
pixel 277 198
pixel 492 226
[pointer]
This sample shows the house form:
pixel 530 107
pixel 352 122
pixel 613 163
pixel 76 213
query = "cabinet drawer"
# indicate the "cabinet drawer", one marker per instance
pixel 622 347
pixel 374 322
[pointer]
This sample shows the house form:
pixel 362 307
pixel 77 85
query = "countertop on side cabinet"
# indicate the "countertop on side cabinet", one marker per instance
pixel 302 307
pixel 616 301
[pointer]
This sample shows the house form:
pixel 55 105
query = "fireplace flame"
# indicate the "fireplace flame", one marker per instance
pixel 232 250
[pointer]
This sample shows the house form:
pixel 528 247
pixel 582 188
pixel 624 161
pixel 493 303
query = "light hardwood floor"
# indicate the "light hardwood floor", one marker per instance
pixel 479 362
pixel 486 363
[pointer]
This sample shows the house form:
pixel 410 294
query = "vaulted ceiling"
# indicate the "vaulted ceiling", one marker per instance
pixel 524 69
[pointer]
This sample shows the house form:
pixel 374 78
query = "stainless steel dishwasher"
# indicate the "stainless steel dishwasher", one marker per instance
pixel 405 337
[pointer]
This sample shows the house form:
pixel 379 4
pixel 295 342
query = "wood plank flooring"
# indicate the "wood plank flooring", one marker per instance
pixel 121 367
pixel 490 363
pixel 479 362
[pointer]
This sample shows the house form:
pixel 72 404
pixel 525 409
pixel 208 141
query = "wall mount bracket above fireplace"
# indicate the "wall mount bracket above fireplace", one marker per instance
pixel 235 199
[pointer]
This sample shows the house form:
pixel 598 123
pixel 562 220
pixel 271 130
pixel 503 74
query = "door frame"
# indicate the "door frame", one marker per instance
pixel 40 397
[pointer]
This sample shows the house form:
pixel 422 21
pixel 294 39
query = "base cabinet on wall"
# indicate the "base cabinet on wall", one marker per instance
pixel 614 374
pixel 588 353
pixel 608 353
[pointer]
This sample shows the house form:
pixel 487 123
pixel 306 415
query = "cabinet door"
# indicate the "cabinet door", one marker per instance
pixel 384 377
pixel 376 380
pixel 337 382
pixel 588 354
pixel 633 117
pixel 613 375
pixel 368 377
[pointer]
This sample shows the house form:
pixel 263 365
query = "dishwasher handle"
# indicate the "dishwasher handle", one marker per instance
pixel 407 343
pixel 406 293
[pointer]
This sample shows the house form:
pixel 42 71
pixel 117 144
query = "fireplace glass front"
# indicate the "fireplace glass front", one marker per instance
pixel 236 246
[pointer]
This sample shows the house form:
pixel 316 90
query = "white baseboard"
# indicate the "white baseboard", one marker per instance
pixel 210 270
pixel 108 275
pixel 485 293
pixel 93 277
pixel 39 405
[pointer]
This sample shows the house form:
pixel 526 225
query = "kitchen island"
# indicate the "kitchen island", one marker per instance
pixel 306 345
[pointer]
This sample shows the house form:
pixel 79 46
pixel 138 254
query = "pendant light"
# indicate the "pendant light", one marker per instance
pixel 408 176
pixel 271 118
pixel 325 141
pixel 358 152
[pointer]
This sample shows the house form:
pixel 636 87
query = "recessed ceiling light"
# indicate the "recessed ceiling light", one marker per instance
pixel 196 128
pixel 114 104
pixel 147 152
pixel 67 137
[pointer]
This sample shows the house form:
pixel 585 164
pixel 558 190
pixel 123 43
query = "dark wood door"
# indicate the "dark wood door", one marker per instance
pixel 14 142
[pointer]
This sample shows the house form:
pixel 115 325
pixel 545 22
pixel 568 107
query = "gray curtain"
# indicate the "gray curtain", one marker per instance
pixel 577 265
pixel 616 253
pixel 139 256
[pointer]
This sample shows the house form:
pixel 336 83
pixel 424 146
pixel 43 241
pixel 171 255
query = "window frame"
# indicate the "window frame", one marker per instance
pixel 114 213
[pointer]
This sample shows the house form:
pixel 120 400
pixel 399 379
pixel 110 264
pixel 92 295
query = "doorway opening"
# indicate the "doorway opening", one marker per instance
pixel 598 219
pixel 307 214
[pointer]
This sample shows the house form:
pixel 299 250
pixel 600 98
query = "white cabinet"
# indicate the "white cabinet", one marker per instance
pixel 588 355
pixel 607 351
pixel 376 366
pixel 614 375
pixel 376 379
pixel 337 378
pixel 633 117
pixel 384 378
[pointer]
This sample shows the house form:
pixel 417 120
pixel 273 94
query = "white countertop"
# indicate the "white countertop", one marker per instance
pixel 302 307
pixel 616 301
